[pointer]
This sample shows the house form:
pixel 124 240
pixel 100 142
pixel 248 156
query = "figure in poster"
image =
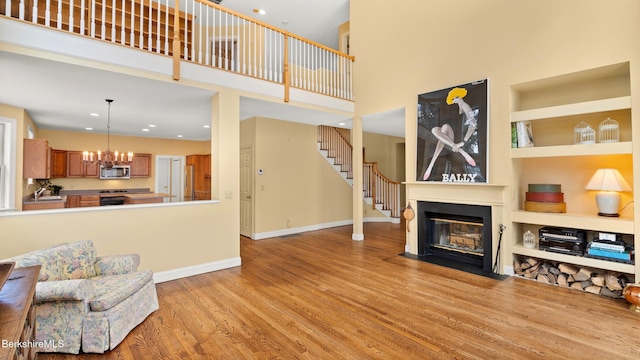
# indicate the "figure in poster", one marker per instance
pixel 446 135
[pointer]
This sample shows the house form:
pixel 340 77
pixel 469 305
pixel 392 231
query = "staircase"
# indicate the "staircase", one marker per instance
pixel 379 191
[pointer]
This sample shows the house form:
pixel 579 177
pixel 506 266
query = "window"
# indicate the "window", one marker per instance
pixel 7 163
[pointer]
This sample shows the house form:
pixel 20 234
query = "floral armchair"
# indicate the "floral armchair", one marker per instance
pixel 85 302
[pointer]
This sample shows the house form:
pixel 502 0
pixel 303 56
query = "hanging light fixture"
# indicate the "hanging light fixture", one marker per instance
pixel 108 159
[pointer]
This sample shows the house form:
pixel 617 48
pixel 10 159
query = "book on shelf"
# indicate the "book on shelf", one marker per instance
pixel 608 247
pixel 524 134
pixel 605 254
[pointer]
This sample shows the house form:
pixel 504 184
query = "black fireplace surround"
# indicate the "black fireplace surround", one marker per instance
pixel 464 213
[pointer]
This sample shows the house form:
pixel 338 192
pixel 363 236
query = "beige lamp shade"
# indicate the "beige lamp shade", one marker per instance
pixel 609 182
pixel 608 179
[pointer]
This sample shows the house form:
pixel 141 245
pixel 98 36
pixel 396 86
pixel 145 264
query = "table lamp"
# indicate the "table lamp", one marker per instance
pixel 609 182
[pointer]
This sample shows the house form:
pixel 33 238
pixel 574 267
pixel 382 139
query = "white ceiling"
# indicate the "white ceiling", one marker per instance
pixel 316 20
pixel 61 96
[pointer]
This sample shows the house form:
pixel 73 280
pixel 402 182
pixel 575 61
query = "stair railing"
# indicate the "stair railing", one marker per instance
pixel 381 189
pixel 337 147
pixel 377 186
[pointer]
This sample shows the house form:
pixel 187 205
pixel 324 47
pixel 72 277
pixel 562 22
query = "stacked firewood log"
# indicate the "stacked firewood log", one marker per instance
pixel 596 281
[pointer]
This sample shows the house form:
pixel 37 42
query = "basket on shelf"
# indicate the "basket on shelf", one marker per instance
pixel 583 133
pixel 608 131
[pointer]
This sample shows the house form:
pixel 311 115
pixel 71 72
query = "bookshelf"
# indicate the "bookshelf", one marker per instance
pixel 554 106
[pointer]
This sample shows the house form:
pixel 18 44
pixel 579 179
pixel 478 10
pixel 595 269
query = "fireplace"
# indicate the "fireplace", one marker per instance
pixel 455 235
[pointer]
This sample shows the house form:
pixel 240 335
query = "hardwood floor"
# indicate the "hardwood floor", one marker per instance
pixel 321 295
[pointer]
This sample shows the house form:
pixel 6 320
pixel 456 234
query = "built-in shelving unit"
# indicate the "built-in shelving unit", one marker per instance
pixel 554 106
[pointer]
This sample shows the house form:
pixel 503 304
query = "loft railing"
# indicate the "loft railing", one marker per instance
pixel 381 189
pixel 199 32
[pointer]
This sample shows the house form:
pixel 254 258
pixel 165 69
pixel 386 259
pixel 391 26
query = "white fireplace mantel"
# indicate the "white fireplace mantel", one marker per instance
pixel 487 194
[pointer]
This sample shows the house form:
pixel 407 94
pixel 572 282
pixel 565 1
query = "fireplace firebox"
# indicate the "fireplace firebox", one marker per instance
pixel 455 235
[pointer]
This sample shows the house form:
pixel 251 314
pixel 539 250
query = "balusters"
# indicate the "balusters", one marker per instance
pixel 132 35
pixel 166 27
pixel 123 33
pixel 149 27
pixel 34 15
pixel 158 22
pixel 113 20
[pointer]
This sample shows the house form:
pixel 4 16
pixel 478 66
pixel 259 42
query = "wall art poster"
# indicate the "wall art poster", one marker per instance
pixel 452 134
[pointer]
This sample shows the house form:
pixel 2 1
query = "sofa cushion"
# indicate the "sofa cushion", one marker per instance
pixel 77 260
pixel 110 290
pixel 51 269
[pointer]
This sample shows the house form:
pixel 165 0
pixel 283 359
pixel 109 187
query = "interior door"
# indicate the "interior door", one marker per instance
pixel 176 180
pixel 246 192
pixel 163 174
pixel 169 170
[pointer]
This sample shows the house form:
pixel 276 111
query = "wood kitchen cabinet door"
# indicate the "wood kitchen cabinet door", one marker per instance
pixel 58 163
pixel 141 165
pixel 36 159
pixel 75 165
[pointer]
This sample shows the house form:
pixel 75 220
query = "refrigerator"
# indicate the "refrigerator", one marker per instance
pixel 189 182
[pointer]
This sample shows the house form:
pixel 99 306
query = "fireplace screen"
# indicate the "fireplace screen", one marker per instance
pixel 462 236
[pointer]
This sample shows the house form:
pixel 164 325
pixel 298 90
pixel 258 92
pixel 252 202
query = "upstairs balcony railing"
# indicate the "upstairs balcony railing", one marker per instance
pixel 200 32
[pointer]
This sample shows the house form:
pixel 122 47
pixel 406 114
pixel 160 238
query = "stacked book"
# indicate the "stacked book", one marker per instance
pixel 610 247
pixel 545 198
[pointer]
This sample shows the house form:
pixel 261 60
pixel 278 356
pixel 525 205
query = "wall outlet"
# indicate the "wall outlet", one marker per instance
pixel 288 223
pixel 228 195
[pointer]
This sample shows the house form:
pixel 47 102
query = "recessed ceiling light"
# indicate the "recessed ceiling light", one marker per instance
pixel 207 126
pixel 285 22
pixel 145 129
pixel 88 128
pixel 342 124
pixel 151 126
pixel 94 114
pixel 180 136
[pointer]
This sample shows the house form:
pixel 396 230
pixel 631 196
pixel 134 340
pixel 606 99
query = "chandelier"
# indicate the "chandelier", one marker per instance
pixel 108 159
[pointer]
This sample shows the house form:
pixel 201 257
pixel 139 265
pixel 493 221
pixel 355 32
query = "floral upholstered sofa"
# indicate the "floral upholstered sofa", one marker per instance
pixel 86 302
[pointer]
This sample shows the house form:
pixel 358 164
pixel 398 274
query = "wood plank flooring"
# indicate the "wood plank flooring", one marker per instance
pixel 321 295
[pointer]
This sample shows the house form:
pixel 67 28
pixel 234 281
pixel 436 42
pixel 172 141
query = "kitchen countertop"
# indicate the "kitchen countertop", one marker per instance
pixel 30 200
pixel 146 196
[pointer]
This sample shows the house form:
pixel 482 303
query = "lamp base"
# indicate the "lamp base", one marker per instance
pixel 608 203
pixel 608 215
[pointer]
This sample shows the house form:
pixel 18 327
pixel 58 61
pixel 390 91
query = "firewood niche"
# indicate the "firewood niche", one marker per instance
pixel 596 281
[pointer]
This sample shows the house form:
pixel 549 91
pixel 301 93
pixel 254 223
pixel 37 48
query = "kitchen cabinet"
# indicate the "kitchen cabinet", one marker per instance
pixel 58 163
pixel 73 201
pixel 89 200
pixel 36 159
pixel 43 205
pixel 202 175
pixel 141 165
pixel 76 167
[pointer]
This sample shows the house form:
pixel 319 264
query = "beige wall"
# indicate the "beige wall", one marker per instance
pixel 298 188
pixel 383 149
pixel 440 44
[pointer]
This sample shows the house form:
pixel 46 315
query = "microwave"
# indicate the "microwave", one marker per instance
pixel 115 172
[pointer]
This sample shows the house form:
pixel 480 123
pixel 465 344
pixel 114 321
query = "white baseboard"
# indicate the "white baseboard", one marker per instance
pixel 175 274
pixel 296 230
